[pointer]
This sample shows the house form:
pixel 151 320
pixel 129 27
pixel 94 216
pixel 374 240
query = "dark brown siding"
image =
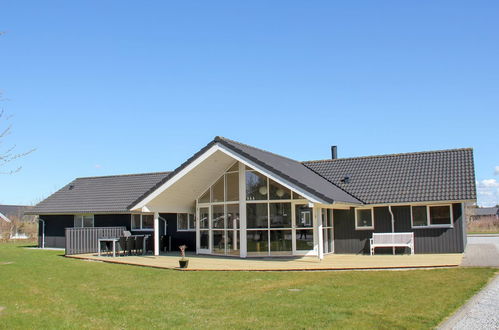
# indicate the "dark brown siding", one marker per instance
pixel 427 240
pixel 179 237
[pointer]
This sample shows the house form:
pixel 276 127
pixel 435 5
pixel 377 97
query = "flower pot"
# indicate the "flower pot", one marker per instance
pixel 183 263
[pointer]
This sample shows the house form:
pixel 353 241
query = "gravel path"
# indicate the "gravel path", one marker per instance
pixel 481 312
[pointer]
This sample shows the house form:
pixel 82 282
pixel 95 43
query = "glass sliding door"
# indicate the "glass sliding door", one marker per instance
pixel 327 231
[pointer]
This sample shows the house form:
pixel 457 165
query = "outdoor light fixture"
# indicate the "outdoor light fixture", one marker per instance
pixel 279 192
pixel 262 190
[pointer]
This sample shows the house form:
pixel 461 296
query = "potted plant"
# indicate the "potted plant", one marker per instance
pixel 183 262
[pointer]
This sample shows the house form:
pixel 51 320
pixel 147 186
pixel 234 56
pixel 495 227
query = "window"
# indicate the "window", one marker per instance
pixel 186 222
pixel 142 221
pixel 83 220
pixel 431 216
pixel 364 219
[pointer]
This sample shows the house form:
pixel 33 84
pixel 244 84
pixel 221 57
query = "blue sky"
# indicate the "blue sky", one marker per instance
pixel 113 87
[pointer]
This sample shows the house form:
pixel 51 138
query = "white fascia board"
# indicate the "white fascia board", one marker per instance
pixel 4 217
pixel 176 177
pixel 265 172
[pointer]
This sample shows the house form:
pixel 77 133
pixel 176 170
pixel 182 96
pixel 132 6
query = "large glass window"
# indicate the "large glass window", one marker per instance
pixel 278 191
pixel 233 216
pixel 232 186
pixel 256 186
pixel 257 215
pixel 280 215
pixel 204 218
pixel 217 191
pixel 419 216
pixel 217 217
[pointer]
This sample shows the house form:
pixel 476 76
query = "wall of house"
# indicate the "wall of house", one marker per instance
pixel 179 237
pixel 55 228
pixel 426 240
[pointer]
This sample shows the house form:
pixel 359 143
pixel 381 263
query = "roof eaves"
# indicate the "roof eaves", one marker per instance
pixel 279 173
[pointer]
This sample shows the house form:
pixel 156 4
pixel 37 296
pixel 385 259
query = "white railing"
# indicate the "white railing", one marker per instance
pixel 392 240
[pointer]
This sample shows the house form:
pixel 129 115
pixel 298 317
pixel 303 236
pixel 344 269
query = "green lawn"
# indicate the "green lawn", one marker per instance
pixel 42 289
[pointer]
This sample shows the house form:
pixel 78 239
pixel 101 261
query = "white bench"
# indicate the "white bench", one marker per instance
pixel 392 240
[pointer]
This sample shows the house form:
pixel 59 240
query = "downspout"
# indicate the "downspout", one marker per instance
pixel 393 224
pixel 164 233
pixel 43 232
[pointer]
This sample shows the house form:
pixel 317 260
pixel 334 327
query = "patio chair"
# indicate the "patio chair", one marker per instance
pixel 139 244
pixel 127 233
pixel 121 244
pixel 130 245
pixel 106 247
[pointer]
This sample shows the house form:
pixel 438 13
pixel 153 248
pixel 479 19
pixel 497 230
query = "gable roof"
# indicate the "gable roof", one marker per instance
pixel 293 171
pixel 104 194
pixel 7 212
pixel 443 175
pixel 288 169
pixel 484 211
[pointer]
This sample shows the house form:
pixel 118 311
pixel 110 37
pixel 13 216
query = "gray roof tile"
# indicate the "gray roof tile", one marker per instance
pixel 99 194
pixel 400 178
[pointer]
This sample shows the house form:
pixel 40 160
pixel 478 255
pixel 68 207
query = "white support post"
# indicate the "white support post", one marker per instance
pixel 242 211
pixel 320 238
pixel 156 233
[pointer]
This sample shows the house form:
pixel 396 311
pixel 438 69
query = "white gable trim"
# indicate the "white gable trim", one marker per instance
pixel 203 157
pixel 4 218
pixel 272 176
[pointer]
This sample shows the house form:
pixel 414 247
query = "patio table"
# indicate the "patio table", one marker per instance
pixel 113 240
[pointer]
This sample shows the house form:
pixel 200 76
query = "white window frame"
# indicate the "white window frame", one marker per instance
pixel 80 218
pixel 372 219
pixel 428 218
pixel 141 222
pixel 188 222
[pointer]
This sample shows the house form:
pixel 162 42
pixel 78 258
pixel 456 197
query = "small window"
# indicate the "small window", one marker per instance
pixel 142 221
pixel 186 222
pixel 432 216
pixel 83 220
pixel 364 219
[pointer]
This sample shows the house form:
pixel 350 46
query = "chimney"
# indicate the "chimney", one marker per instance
pixel 334 152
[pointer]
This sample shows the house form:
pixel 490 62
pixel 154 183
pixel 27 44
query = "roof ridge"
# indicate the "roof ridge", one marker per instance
pixel 250 146
pixel 121 175
pixel 388 155
pixel 14 205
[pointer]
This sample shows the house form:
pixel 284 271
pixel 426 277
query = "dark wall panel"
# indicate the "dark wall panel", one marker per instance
pixel 54 230
pixel 112 220
pixel 179 237
pixel 426 240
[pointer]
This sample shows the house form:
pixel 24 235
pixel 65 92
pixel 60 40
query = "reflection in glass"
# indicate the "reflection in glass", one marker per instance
pixel 304 216
pixel 234 168
pixel 204 240
pixel 257 242
pixel 217 217
pixel 280 242
pixel 203 217
pixel 233 243
pixel 256 186
pixel 233 216
pixel 218 241
pixel 278 191
pixel 304 239
pixel 280 215
pixel 256 215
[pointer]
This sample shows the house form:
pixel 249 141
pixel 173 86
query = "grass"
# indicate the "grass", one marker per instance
pixel 42 289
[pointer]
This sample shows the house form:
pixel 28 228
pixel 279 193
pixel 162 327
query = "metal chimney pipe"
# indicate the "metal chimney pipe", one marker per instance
pixel 334 152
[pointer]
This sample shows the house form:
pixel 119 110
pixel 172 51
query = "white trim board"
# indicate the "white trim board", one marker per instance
pixel 235 156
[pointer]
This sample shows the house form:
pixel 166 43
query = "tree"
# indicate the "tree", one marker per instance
pixel 8 153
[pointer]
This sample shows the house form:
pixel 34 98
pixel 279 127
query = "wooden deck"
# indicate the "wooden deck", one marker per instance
pixel 330 262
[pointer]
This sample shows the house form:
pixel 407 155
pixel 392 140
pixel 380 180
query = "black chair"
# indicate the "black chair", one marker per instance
pixel 139 244
pixel 130 245
pixel 122 245
pixel 104 247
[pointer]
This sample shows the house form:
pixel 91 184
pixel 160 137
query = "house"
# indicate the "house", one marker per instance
pixel 12 219
pixel 483 213
pixel 237 200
